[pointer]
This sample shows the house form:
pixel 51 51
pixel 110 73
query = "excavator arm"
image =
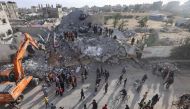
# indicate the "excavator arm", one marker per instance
pixel 18 69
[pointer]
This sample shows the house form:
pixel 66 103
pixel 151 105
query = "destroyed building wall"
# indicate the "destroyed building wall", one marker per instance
pixel 5 29
pixel 10 8
pixel 51 12
pixel 73 19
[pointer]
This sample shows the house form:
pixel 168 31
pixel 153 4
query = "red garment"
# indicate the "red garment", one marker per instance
pixel 61 90
pixel 105 107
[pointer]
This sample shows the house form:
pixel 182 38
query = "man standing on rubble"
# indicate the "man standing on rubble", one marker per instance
pixel 123 70
pixel 100 30
pixel 75 34
pixel 97 73
pixel 85 73
pixel 101 71
pixel 106 31
pixel 111 32
pixel 125 81
pixel 120 79
pixel 132 41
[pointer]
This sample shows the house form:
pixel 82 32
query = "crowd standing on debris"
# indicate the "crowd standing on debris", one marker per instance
pixel 96 29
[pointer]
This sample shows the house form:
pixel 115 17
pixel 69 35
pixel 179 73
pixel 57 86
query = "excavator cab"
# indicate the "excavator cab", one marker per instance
pixel 13 81
pixel 7 76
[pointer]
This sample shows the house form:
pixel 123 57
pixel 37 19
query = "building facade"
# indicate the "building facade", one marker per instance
pixel 10 8
pixel 52 12
pixel 34 9
pixel 6 31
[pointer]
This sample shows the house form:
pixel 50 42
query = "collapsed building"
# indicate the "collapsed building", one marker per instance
pixel 95 47
pixel 61 53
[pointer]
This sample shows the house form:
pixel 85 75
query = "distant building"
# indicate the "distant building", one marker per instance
pixel 157 5
pixel 146 7
pixel 117 8
pixel 6 31
pixel 10 8
pixel 52 12
pixel 173 6
pixel 34 9
pixel 107 8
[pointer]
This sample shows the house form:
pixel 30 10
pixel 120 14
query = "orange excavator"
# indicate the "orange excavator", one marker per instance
pixel 13 81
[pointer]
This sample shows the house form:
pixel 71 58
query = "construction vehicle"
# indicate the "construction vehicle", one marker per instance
pixel 13 81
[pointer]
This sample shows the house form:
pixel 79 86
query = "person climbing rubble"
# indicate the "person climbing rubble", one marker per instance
pixel 125 82
pixel 132 41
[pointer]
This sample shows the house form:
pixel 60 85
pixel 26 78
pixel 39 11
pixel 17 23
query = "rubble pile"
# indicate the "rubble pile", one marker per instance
pixel 129 33
pixel 100 49
pixel 89 44
pixel 30 67
pixel 65 49
pixel 72 18
pixel 73 21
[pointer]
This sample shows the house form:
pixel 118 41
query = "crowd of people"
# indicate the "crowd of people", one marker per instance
pixel 150 104
pixel 70 35
pixel 166 72
pixel 64 80
pixel 69 80
pixel 99 74
pixel 102 31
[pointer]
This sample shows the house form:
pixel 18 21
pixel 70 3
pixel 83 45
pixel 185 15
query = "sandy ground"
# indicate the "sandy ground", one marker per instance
pixel 133 23
pixel 70 99
pixel 157 51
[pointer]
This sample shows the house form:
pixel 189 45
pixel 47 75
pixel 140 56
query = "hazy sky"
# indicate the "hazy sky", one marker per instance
pixel 80 3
